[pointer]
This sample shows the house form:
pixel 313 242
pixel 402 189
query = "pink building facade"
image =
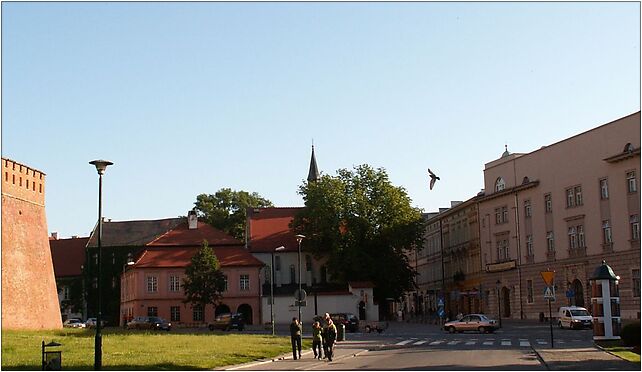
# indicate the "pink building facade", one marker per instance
pixel 565 207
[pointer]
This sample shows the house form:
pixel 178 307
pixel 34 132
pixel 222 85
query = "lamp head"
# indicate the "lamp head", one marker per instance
pixel 299 237
pixel 101 165
pixel 277 249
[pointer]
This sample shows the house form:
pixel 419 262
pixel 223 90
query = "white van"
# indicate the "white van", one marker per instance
pixel 574 317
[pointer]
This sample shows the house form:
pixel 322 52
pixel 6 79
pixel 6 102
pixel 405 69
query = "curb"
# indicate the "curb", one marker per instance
pixel 608 352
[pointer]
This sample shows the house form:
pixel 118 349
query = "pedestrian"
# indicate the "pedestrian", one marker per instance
pixel 331 335
pixel 295 337
pixel 317 340
pixel 324 335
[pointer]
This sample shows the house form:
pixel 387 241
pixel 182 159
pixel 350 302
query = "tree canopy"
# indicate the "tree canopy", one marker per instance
pixel 364 225
pixel 204 281
pixel 227 209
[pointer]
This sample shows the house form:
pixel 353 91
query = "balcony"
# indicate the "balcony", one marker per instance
pixel 607 247
pixel 577 252
pixel 550 255
pixel 530 258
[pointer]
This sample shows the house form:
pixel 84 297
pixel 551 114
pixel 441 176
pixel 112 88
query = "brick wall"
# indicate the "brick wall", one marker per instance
pixel 29 296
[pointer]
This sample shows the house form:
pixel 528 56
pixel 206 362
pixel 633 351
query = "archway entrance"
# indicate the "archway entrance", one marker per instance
pixel 578 299
pixel 221 309
pixel 246 310
pixel 505 302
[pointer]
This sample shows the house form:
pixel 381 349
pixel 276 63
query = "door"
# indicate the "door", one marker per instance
pixel 579 293
pixel 505 302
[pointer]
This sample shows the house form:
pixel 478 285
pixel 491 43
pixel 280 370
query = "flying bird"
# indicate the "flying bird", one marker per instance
pixel 433 178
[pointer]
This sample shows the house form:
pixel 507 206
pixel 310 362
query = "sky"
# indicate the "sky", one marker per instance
pixel 189 98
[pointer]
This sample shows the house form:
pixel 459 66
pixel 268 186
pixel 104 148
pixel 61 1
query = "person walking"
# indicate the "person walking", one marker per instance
pixel 324 335
pixel 317 340
pixel 331 335
pixel 295 337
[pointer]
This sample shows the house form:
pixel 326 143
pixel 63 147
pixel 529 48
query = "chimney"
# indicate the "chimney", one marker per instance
pixel 54 235
pixel 74 236
pixel 192 220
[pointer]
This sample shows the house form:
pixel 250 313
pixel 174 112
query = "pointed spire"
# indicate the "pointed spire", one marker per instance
pixel 313 174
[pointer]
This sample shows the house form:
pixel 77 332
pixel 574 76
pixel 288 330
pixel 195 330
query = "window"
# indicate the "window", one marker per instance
pixel 152 311
pixel 152 284
pixel 245 282
pixel 527 209
pixel 292 274
pixel 66 293
pixel 277 263
pixel 95 258
pixel 529 291
pixel 635 274
pixel 607 237
pixel 548 203
pixel 635 227
pixel 174 283
pixel 225 280
pixel 197 313
pixel 95 282
pixel 550 241
pixel 175 313
pixel 604 188
pixel 578 195
pixel 630 179
pixel 572 237
pixel 500 184
pixel 570 198
pixel 529 245
pixel 114 282
pixel 501 215
pixel 502 250
pixel 308 262
pixel 581 242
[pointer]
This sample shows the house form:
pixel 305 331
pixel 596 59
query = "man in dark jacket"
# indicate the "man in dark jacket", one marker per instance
pixel 295 337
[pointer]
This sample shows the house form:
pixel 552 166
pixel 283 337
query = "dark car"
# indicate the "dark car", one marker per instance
pixel 228 321
pixel 350 321
pixel 149 322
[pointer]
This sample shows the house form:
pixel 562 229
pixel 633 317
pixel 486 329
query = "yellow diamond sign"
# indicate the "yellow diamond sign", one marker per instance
pixel 548 277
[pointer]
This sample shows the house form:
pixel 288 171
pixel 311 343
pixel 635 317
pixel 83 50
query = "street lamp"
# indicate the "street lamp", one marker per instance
pixel 299 239
pixel 100 165
pixel 499 302
pixel 272 288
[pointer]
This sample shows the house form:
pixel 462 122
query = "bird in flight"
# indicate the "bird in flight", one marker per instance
pixel 433 178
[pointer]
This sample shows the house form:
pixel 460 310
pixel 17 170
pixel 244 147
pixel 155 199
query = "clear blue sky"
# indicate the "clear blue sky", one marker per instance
pixel 188 98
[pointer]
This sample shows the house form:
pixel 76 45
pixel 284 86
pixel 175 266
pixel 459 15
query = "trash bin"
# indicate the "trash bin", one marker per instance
pixel 341 332
pixel 51 360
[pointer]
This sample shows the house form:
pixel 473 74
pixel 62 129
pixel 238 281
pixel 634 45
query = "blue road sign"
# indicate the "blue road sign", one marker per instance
pixel 570 293
pixel 441 312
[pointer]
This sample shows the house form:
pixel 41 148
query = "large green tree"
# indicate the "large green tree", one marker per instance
pixel 364 225
pixel 204 281
pixel 227 209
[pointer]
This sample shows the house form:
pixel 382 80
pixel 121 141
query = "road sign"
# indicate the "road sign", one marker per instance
pixel 303 303
pixel 570 293
pixel 548 276
pixel 440 302
pixel 549 293
pixel 300 295
pixel 441 312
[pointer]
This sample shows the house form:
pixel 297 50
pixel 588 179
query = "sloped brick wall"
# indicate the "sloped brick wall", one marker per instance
pixel 29 296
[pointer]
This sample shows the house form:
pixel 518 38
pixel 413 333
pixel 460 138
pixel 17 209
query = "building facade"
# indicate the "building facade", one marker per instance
pixel 29 296
pixel 68 261
pixel 565 207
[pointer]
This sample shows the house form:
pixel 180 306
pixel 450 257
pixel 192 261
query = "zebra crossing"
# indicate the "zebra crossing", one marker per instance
pixel 484 342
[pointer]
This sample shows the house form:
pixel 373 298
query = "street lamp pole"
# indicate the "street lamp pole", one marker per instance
pixel 100 165
pixel 272 289
pixel 299 239
pixel 499 303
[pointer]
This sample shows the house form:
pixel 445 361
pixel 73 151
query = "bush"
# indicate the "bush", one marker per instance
pixel 631 334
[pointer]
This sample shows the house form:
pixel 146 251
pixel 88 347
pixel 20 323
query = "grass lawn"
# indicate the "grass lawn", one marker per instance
pixel 617 348
pixel 141 350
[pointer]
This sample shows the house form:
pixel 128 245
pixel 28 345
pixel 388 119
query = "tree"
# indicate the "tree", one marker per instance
pixel 227 209
pixel 364 225
pixel 204 281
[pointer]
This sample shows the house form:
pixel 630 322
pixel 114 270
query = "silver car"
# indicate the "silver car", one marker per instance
pixel 471 322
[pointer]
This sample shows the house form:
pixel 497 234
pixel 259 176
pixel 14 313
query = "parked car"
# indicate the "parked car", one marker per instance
pixel 347 319
pixel 91 323
pixel 228 321
pixel 574 317
pixel 471 322
pixel 149 322
pixel 73 323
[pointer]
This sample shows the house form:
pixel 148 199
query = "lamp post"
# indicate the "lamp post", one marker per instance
pixel 499 302
pixel 100 165
pixel 272 288
pixel 299 239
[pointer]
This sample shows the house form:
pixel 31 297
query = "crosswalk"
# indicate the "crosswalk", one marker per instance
pixel 471 342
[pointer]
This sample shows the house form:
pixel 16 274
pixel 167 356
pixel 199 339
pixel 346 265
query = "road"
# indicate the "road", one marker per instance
pixel 408 346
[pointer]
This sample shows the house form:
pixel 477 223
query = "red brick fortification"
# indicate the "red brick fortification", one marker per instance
pixel 29 296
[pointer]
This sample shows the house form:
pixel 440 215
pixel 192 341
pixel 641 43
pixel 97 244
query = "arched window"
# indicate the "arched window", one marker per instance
pixel 499 184
pixel 292 274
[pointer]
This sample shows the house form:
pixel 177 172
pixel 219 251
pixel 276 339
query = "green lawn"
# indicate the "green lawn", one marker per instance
pixel 129 350
pixel 616 347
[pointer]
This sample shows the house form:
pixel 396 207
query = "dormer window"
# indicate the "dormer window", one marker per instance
pixel 500 184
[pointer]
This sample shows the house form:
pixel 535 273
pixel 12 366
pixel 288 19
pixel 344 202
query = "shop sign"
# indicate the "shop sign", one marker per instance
pixel 502 266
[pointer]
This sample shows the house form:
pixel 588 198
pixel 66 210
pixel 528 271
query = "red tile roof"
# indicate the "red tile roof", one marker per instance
pixel 68 255
pixel 182 236
pixel 269 229
pixel 159 257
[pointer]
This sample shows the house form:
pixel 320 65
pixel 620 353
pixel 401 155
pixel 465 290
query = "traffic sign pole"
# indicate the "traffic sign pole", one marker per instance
pixel 550 321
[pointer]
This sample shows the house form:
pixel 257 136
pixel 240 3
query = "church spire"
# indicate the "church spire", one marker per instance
pixel 313 174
